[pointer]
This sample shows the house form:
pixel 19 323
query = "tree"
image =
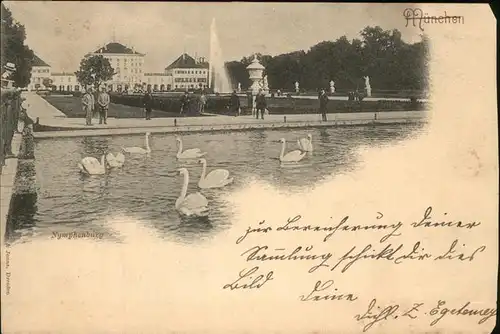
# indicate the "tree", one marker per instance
pixel 380 54
pixel 94 70
pixel 47 82
pixel 13 49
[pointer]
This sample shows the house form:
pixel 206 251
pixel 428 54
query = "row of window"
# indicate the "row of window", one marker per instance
pixel 190 79
pixel 190 86
pixel 190 72
pixel 61 79
pixel 40 70
pixel 133 62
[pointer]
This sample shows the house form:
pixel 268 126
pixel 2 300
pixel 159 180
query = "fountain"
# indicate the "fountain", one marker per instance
pixel 217 70
pixel 297 88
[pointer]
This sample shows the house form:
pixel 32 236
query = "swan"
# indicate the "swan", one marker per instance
pixel 92 166
pixel 115 161
pixel 188 154
pixel 305 144
pixel 192 205
pixel 215 179
pixel 139 150
pixel 294 156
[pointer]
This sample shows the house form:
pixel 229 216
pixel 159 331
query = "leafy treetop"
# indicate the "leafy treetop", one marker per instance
pixel 94 70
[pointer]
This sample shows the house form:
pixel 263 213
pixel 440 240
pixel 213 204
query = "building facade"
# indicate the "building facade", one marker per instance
pixel 159 82
pixel 127 64
pixel 185 73
pixel 41 74
pixel 188 73
pixel 65 81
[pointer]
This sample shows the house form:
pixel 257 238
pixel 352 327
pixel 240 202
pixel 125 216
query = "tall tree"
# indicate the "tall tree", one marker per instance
pixel 94 70
pixel 13 49
pixel 380 54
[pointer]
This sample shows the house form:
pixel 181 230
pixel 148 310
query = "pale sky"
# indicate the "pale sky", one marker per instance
pixel 62 32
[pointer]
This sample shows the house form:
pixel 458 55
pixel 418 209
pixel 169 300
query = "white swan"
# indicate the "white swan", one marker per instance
pixel 92 166
pixel 139 150
pixel 215 179
pixel 115 161
pixel 188 154
pixel 293 156
pixel 305 144
pixel 192 205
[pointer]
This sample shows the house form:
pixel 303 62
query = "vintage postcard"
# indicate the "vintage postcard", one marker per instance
pixel 248 168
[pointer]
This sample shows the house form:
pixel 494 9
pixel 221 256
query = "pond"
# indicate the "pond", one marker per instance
pixel 145 188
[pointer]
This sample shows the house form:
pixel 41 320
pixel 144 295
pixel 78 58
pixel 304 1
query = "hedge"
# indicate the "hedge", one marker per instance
pixel 220 104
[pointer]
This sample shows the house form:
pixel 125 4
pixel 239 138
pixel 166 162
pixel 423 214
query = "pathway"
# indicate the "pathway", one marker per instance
pixel 38 107
pixel 48 115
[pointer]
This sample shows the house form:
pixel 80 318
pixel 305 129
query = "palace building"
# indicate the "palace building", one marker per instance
pixel 188 73
pixel 127 63
pixel 185 73
pixel 65 81
pixel 40 74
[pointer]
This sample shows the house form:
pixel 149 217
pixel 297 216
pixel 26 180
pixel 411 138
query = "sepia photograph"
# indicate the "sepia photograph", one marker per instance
pixel 221 167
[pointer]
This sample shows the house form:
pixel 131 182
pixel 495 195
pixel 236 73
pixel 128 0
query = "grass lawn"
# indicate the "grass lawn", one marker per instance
pixel 72 107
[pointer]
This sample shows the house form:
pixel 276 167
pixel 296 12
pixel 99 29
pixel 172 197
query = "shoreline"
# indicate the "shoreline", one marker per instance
pixel 110 131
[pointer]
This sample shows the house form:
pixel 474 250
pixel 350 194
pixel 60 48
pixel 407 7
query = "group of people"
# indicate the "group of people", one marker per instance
pixel 93 107
pixel 100 105
pixel 186 101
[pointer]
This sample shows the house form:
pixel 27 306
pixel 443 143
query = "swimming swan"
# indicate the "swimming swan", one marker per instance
pixel 188 154
pixel 92 166
pixel 192 205
pixel 139 150
pixel 294 156
pixel 215 179
pixel 305 144
pixel 115 161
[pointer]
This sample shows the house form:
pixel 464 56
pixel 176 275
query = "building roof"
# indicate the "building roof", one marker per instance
pixel 186 61
pixel 116 48
pixel 37 61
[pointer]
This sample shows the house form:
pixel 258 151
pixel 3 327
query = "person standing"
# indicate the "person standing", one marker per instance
pixel 235 103
pixel 323 102
pixel 148 102
pixel 203 102
pixel 184 103
pixel 95 109
pixel 261 105
pixel 103 104
pixel 87 104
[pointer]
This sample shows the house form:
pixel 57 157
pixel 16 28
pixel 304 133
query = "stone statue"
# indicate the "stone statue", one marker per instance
pixel 332 86
pixel 265 85
pixel 239 87
pixel 296 86
pixel 367 86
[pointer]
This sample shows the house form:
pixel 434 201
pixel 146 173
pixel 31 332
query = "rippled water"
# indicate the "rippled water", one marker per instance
pixel 65 201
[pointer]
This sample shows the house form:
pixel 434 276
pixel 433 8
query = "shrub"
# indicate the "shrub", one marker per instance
pixel 220 104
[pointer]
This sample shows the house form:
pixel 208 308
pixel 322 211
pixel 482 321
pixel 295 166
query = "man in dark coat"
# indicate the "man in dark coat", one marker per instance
pixel 323 101
pixel 235 103
pixel 148 102
pixel 184 103
pixel 260 104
